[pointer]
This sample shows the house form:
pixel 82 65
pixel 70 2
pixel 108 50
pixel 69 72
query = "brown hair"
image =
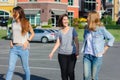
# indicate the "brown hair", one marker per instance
pixel 60 23
pixel 93 20
pixel 24 22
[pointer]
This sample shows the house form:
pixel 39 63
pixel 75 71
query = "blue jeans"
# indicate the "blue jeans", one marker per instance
pixel 15 52
pixel 91 65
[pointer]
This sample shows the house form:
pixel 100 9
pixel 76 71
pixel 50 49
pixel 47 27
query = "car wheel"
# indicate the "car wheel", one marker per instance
pixel 44 40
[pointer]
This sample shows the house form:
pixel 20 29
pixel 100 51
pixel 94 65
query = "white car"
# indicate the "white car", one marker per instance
pixel 43 35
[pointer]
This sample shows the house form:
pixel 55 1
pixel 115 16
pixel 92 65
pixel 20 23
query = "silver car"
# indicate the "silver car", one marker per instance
pixel 43 35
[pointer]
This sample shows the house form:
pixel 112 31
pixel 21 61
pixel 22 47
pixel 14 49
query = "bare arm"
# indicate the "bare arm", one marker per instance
pixel 32 33
pixel 77 45
pixel 57 44
pixel 25 45
pixel 105 49
pixel 11 44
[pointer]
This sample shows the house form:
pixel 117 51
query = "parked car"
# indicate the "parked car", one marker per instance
pixel 54 31
pixel 3 21
pixel 43 35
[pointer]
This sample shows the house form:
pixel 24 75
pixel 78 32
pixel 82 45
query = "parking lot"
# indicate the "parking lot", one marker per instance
pixel 44 69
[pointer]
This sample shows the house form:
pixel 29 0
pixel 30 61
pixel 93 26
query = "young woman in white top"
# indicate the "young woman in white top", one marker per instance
pixel 20 42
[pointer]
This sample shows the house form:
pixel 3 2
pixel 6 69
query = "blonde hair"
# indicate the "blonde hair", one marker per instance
pixel 93 20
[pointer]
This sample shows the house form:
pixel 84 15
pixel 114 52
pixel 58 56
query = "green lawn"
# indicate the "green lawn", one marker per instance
pixel 114 32
pixel 3 34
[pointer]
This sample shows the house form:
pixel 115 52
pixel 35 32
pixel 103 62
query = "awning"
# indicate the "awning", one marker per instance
pixel 34 12
pixel 58 12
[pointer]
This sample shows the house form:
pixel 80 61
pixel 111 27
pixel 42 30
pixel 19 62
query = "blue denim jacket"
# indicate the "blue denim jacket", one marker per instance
pixel 99 37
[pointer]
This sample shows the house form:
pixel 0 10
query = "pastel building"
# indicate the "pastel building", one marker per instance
pixel 39 12
pixel 6 7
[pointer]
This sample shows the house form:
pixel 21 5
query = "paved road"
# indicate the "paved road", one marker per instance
pixel 44 69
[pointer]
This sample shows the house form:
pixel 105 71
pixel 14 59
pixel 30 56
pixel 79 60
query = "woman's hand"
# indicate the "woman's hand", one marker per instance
pixel 102 53
pixel 11 44
pixel 25 45
pixel 50 56
pixel 77 55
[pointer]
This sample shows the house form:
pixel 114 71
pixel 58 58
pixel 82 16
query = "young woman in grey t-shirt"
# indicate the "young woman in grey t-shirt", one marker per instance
pixel 68 48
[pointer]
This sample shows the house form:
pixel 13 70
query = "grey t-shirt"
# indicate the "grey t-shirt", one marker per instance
pixel 67 45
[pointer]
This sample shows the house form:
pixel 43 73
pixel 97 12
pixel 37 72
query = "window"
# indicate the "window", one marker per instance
pixel 70 15
pixel 32 0
pixel 57 0
pixel 4 0
pixel 33 19
pixel 89 5
pixel 109 1
pixel 70 2
pixel 4 14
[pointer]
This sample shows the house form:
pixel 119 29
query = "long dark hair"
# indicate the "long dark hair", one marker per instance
pixel 60 23
pixel 23 20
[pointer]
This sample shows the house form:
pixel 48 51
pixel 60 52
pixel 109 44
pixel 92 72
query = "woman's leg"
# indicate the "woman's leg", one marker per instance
pixel 96 65
pixel 12 62
pixel 71 66
pixel 86 67
pixel 63 66
pixel 24 55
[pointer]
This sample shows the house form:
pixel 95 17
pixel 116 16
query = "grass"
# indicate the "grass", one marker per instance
pixel 3 34
pixel 114 32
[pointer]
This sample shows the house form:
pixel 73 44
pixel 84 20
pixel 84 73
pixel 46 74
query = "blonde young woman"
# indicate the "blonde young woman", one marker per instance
pixel 20 43
pixel 67 42
pixel 94 46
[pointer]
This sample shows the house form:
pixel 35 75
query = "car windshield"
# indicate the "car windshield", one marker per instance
pixel 48 30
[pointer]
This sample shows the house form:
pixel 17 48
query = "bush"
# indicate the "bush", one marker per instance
pixel 46 26
pixel 33 26
pixel 79 23
pixel 112 26
pixel 107 20
pixel 50 22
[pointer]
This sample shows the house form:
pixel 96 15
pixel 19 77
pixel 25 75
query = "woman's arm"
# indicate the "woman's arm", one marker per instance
pixel 11 43
pixel 109 37
pixel 77 45
pixel 25 45
pixel 57 44
pixel 32 33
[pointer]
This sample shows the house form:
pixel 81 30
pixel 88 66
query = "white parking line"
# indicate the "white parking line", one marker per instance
pixel 43 68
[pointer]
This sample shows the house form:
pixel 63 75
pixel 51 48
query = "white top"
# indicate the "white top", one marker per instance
pixel 17 35
pixel 89 47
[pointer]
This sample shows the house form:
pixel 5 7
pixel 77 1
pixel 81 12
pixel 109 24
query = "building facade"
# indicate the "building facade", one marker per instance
pixel 112 8
pixel 39 12
pixel 89 5
pixel 6 7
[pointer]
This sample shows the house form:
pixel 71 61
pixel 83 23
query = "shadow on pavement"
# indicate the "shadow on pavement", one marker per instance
pixel 33 77
pixel 2 77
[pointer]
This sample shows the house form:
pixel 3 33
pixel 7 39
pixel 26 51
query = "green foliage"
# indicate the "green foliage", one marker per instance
pixel 3 34
pixel 9 21
pixel 79 23
pixel 46 26
pixel 34 26
pixel 112 26
pixel 49 22
pixel 107 20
